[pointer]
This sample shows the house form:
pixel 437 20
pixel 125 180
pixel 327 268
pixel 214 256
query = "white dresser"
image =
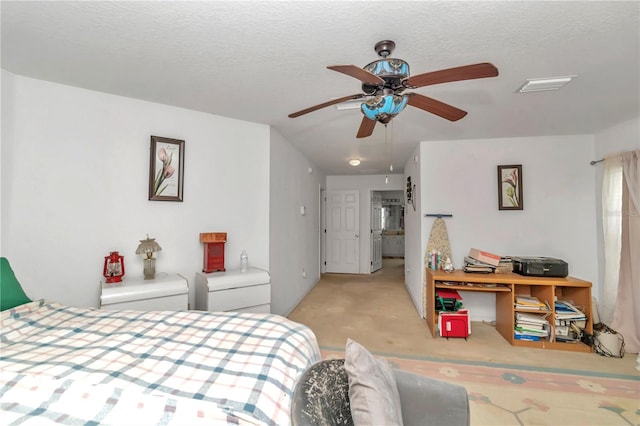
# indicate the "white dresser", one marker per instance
pixel 166 292
pixel 234 290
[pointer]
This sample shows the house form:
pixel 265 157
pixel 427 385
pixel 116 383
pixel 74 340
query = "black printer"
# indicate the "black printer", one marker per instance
pixel 540 266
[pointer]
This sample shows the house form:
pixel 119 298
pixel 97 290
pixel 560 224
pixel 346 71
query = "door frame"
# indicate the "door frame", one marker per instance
pixel 322 229
pixel 372 249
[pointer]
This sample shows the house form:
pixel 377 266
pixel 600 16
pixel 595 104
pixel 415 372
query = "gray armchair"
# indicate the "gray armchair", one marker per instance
pixel 321 397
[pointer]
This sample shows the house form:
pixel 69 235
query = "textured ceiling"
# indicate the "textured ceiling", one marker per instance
pixel 260 61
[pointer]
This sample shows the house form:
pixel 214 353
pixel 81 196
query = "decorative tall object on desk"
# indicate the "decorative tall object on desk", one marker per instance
pixel 113 269
pixel 148 247
pixel 213 251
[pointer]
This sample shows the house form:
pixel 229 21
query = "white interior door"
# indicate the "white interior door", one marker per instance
pixel 343 228
pixel 376 231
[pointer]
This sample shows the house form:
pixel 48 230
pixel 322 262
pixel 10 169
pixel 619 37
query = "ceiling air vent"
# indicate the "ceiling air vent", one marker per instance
pixel 542 84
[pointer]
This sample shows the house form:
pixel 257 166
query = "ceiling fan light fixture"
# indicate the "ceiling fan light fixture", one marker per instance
pixel 384 108
pixel 354 162
pixel 396 68
pixel 544 84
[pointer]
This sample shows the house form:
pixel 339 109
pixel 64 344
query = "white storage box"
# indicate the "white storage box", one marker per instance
pixel 169 292
pixel 234 290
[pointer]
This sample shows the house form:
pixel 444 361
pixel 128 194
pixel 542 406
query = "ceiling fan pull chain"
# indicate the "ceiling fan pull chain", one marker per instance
pixel 386 139
pixel 390 148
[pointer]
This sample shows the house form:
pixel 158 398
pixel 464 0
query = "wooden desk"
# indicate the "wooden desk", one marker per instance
pixel 505 287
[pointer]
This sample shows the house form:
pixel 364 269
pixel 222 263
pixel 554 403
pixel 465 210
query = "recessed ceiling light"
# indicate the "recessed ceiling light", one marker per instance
pixel 354 162
pixel 542 84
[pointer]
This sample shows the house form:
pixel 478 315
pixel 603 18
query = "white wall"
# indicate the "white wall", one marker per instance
pixel 75 170
pixel 559 216
pixel 620 138
pixel 413 247
pixel 293 238
pixel 365 184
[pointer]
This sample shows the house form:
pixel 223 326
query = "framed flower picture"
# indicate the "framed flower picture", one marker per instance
pixel 510 187
pixel 166 169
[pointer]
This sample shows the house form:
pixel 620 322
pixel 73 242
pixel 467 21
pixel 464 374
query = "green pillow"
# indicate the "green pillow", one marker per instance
pixel 11 293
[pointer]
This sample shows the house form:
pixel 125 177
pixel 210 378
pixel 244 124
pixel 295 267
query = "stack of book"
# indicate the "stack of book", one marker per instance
pixel 531 303
pixel 505 266
pixel 481 261
pixel 570 322
pixel 531 327
pixel 473 265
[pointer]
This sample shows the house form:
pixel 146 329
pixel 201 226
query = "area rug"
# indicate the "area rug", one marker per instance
pixel 501 394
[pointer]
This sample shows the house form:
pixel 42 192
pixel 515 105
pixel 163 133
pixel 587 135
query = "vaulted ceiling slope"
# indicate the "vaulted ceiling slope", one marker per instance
pixel 260 61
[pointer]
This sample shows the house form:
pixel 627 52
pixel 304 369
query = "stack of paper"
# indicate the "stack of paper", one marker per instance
pixel 481 261
pixel 505 265
pixel 529 302
pixel 474 265
pixel 566 311
pixel 570 321
pixel 531 326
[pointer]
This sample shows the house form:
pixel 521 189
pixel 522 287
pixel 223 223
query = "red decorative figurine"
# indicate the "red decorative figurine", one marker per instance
pixel 113 267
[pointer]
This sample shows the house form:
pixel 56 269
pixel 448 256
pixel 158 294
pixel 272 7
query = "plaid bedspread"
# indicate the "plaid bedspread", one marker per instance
pixel 60 364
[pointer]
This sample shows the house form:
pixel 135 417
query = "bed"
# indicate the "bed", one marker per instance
pixel 69 365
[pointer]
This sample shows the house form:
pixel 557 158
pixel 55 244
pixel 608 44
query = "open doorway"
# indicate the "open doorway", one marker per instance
pixel 387 229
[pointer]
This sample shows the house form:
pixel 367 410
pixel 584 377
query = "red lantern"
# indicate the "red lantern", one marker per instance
pixel 113 267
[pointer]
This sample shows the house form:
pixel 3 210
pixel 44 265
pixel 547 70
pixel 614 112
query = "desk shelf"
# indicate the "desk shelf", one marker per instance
pixel 507 286
pixel 479 287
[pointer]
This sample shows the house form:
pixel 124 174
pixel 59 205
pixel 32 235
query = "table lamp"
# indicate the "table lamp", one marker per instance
pixel 148 247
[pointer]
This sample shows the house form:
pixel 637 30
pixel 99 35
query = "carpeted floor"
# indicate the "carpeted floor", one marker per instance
pixel 502 394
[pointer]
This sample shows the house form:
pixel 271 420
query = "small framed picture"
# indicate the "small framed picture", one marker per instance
pixel 166 169
pixel 510 187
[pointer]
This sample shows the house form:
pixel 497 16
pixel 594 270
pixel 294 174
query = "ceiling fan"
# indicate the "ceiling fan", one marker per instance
pixel 384 80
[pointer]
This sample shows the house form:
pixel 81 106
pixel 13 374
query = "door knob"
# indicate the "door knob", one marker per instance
pixel 357 236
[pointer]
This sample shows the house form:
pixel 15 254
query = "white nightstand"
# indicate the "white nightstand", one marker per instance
pixel 234 290
pixel 166 292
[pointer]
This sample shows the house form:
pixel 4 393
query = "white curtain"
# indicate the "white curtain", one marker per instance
pixel 621 226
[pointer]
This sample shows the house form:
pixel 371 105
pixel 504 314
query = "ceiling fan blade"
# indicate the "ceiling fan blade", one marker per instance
pixel 326 104
pixel 467 72
pixel 366 127
pixel 436 107
pixel 357 72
